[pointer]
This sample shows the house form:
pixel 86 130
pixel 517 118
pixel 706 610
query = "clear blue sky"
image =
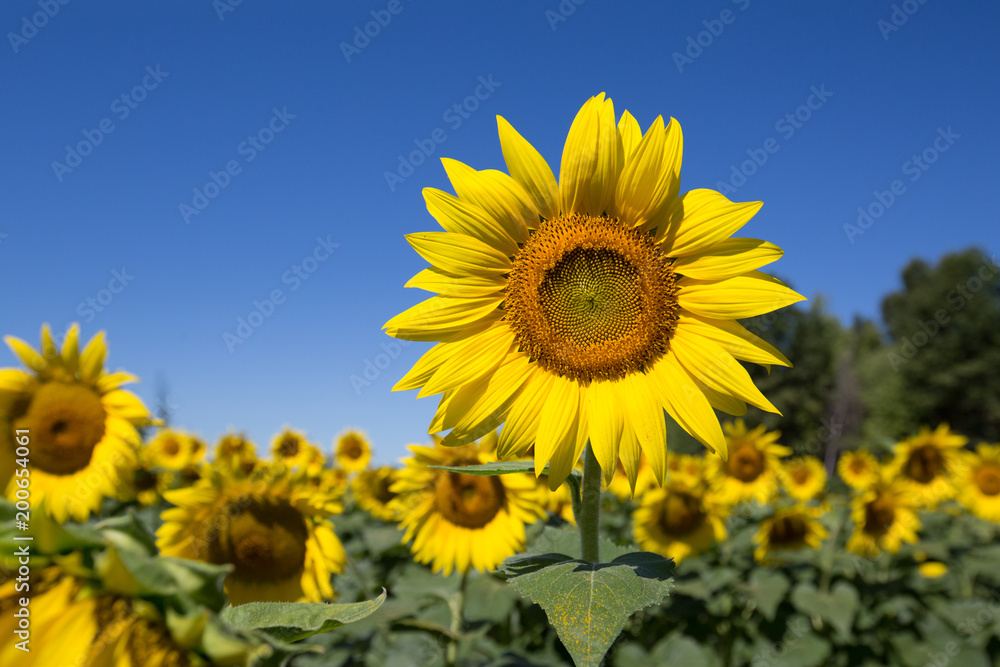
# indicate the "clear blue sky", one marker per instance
pixel 885 94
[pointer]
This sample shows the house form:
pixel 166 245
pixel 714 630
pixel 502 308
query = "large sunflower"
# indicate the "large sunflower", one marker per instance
pixel 578 311
pixel 789 529
pixel 81 426
pixel 456 521
pixel 884 517
pixel 352 451
pixel 978 480
pixel 926 463
pixel 372 492
pixel 678 520
pixel 271 526
pixel 803 477
pixel 859 469
pixel 751 472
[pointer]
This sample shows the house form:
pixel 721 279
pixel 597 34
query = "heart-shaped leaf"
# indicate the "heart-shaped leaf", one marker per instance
pixel 837 607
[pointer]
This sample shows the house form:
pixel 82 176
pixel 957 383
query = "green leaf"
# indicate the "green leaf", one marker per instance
pixel 588 603
pixel 677 649
pixel 291 621
pixel 567 541
pixel 767 589
pixel 837 607
pixel 498 468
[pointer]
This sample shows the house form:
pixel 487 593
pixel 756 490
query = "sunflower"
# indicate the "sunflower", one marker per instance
pixel 271 526
pixel 678 520
pixel 80 426
pixel 353 451
pixel 293 449
pixel 149 485
pixel 789 529
pixel 977 477
pixel 173 450
pixel 456 521
pixel 858 469
pixel 372 492
pixel 578 311
pixel 751 472
pixel 932 569
pixel 925 463
pixel 235 454
pixel 803 477
pixel 686 468
pixel 884 517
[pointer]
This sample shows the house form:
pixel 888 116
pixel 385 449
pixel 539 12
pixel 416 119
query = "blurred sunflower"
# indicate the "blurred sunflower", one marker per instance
pixel 236 455
pixel 579 311
pixel 751 473
pixel 271 526
pixel 858 469
pixel 932 569
pixel 149 485
pixel 884 517
pixel 328 481
pixel 977 477
pixel 353 451
pixel 686 468
pixel 789 529
pixel 292 449
pixel 456 521
pixel 173 450
pixel 803 477
pixel 372 492
pixel 925 463
pixel 678 520
pixel 82 426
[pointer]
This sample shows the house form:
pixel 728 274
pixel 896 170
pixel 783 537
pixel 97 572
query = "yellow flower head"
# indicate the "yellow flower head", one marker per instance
pixel 372 491
pixel 932 569
pixel 577 311
pixel 977 476
pixel 457 521
pixel 293 449
pixel 353 451
pixel 78 426
pixel 678 520
pixel 686 468
pixel 751 473
pixel 236 455
pixel 272 526
pixel 859 469
pixel 884 517
pixel 789 529
pixel 803 477
pixel 925 463
pixel 173 450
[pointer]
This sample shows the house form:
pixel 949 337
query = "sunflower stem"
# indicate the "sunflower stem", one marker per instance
pixel 590 507
pixel 457 605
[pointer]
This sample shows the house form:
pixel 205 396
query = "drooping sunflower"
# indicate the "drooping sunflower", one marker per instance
pixel 977 477
pixel 678 520
pixel 456 521
pixel 751 472
pixel 173 450
pixel 80 424
pixel 271 525
pixel 803 477
pixel 578 311
pixel 293 449
pixel 789 529
pixel 353 451
pixel 859 469
pixel 884 517
pixel 926 464
pixel 372 492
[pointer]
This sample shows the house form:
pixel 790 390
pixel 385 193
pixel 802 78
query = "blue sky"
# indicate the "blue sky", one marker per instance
pixel 175 162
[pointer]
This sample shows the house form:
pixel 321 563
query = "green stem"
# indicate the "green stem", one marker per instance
pixel 457 605
pixel 590 507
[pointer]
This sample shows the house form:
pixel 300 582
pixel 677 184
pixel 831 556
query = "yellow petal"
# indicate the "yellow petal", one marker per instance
pixel 71 349
pixel 425 367
pixel 724 401
pixel 476 356
pixel 125 405
pixel 630 453
pixel 628 128
pixel 699 220
pixel 529 169
pixel 606 425
pixel 441 282
pixel 112 381
pixel 49 350
pixel 484 404
pixel 458 253
pixel 645 414
pixel 733 337
pixel 651 177
pixel 463 217
pixel 592 158
pixel 92 358
pixel 709 363
pixel 687 404
pixel 567 452
pixel 439 315
pixel 559 415
pixel 525 414
pixel 496 193
pixel 735 298
pixel 728 259
pixel 26 353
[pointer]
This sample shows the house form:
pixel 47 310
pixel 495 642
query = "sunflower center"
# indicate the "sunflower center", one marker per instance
pixel 858 466
pixel 352 448
pixel 382 492
pixel 264 540
pixel 800 475
pixel 681 513
pixel 66 423
pixel 746 463
pixel 988 480
pixel 470 501
pixel 171 447
pixel 288 447
pixel 924 464
pixel 591 298
pixel 879 515
pixel 789 530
